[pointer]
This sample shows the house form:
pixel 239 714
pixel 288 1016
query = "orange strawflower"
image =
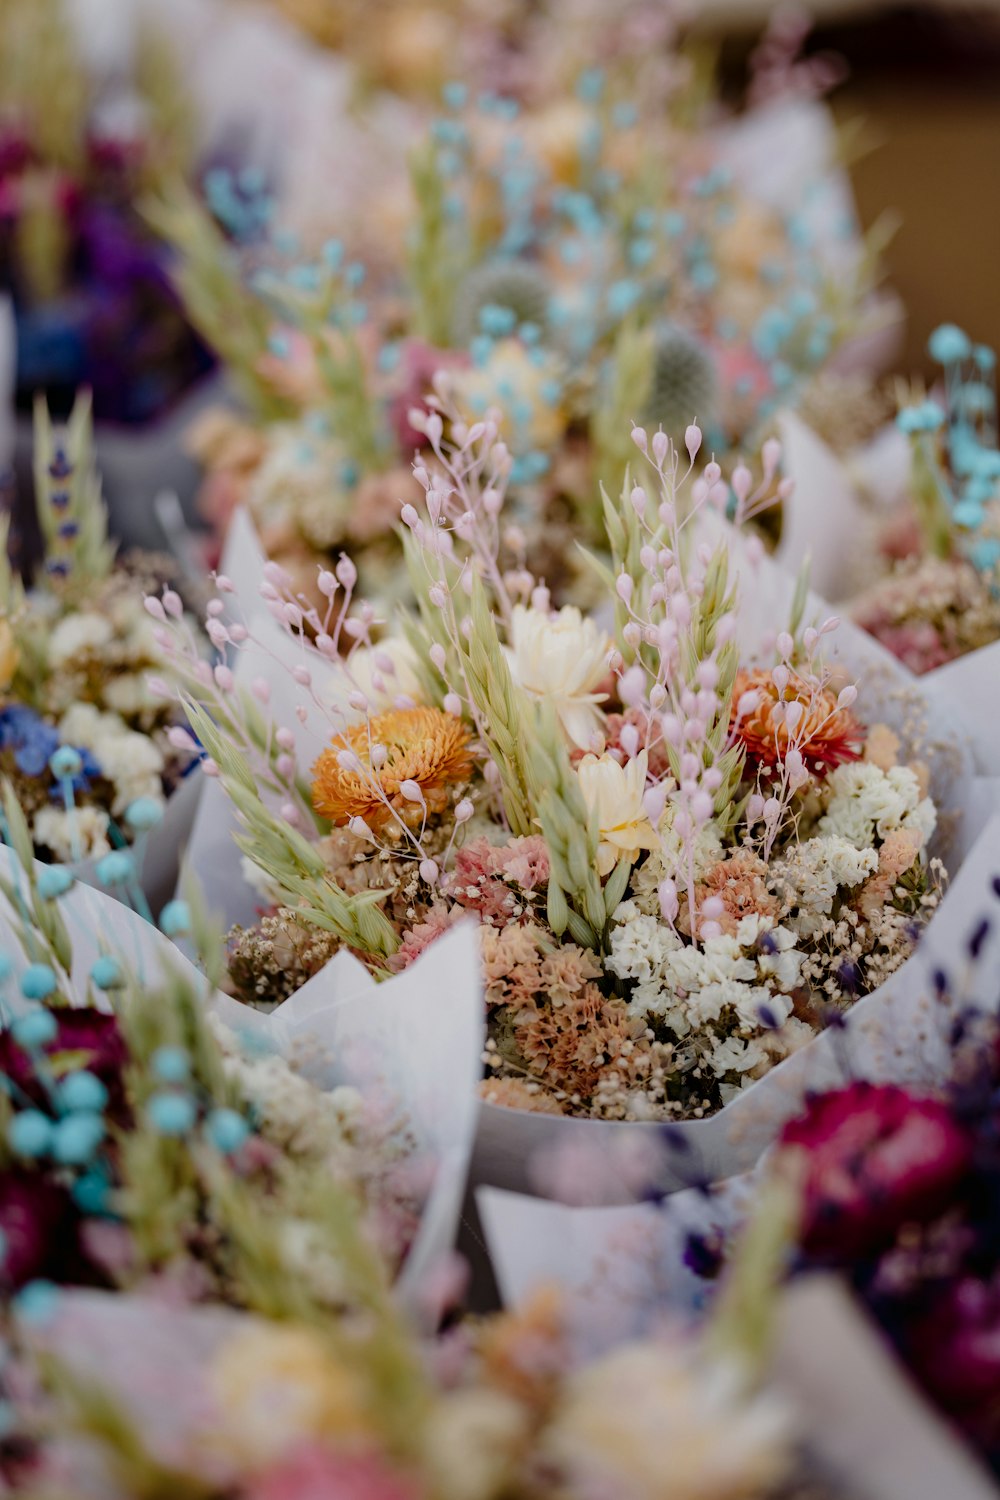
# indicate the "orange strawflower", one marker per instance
pixel 825 734
pixel 423 746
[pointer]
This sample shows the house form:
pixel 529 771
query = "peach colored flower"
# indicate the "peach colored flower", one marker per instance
pixel 740 882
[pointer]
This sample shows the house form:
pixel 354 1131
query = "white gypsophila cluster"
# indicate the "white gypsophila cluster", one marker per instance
pixel 80 634
pixel 131 761
pixel 690 987
pixel 127 693
pixel 292 1113
pixel 756 966
pixel 867 804
pixel 667 861
pixel 641 944
pixel 811 876
pixel 81 833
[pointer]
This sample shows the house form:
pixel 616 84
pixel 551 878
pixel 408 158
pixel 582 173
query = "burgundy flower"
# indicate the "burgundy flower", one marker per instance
pixel 876 1158
pixel 84 1038
pixel 953 1349
pixel 37 1224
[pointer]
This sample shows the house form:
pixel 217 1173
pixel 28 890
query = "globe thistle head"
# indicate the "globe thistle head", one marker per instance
pixel 500 297
pixel 684 387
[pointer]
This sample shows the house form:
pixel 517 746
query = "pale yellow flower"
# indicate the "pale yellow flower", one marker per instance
pixel 616 793
pixel 275 1386
pixel 652 1426
pixel 561 659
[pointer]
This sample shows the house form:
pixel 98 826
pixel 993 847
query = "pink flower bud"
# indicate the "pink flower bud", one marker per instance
pixel 360 829
pixel 667 893
pixel 285 766
pixel 158 688
pixel 327 581
pixel 654 800
pixel 290 813
pixel 780 677
pixel 629 738
pixel 208 767
pixel 692 440
pixel 712 473
pixel 408 516
pixel 411 790
pixel 709 930
pixel 453 705
pixel 438 655
pixel 742 480
pixel 429 871
pixel 702 807
pixel 771 455
pixel 326 645
pixel 632 686
pixel 180 739
pixel 847 696
pixel 261 689
pixel 639 438
pixel 153 607
pixel 224 585
pixel 638 498
pixel 302 676
pixel 829 625
pixel 437 595
pixel 786 645
pixel 464 810
pixel 172 603
pixel 378 755
pixel 347 760
pixel 347 573
pixel 214 608
pixel 224 678
pixel 238 633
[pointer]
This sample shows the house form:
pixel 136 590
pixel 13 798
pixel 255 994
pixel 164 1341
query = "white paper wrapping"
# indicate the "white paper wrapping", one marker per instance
pixel 414 1042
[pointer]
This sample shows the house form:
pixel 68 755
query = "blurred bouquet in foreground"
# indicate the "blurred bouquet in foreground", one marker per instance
pixel 683 848
pixel 90 286
pixel 84 739
pixel 200 1244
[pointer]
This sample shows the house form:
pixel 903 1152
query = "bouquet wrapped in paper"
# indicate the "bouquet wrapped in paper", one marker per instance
pixel 690 838
pixel 903 525
pixel 84 738
pixel 225 1246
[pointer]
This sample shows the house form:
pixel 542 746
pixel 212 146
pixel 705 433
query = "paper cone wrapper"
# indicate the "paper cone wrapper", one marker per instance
pixel 413 1043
